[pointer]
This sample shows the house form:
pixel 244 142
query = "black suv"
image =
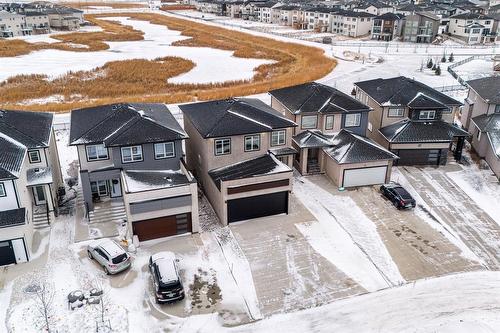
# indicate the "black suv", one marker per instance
pixel 398 195
pixel 166 281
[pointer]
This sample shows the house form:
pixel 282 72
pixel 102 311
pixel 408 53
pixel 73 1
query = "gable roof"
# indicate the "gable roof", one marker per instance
pixel 31 129
pixel 390 17
pixel 471 16
pixel 312 139
pixel 313 97
pixel 12 217
pixel 348 147
pixel 488 123
pixel 235 116
pixel 260 166
pixel 11 157
pixel 409 131
pixel 421 101
pixel 487 88
pixel 124 124
pixel 401 91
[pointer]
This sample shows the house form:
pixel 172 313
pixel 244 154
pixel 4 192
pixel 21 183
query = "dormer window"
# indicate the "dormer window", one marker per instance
pixel 97 152
pixel 34 156
pixel 427 115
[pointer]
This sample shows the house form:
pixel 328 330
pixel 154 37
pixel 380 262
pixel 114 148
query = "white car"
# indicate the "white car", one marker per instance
pixel 110 255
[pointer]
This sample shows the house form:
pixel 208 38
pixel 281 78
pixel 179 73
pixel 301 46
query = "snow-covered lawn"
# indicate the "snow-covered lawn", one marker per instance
pixel 212 65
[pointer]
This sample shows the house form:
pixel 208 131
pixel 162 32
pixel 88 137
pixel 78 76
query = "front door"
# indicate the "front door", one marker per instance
pixel 39 194
pixel 116 189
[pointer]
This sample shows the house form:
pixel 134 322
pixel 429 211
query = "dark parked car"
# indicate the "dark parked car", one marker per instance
pixel 398 195
pixel 166 282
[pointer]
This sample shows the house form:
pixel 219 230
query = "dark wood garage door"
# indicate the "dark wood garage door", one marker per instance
pixel 419 157
pixel 7 255
pixel 162 226
pixel 257 206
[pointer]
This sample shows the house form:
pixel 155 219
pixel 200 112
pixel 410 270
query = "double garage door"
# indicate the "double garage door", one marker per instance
pixel 419 157
pixel 257 206
pixel 162 226
pixel 364 176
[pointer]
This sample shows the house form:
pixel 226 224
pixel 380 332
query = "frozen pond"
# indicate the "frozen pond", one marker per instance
pixel 212 65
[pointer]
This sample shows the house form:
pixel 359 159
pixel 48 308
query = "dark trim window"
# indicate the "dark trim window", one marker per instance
pixel 131 154
pixel 252 142
pixel 99 187
pixel 2 190
pixel 352 120
pixel 329 122
pixel 427 115
pixel 278 138
pixel 34 156
pixel 396 112
pixel 164 150
pixel 222 147
pixel 97 152
pixel 497 108
pixel 309 122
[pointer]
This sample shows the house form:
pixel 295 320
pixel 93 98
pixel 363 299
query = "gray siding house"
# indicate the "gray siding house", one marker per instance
pixel 131 158
pixel 30 178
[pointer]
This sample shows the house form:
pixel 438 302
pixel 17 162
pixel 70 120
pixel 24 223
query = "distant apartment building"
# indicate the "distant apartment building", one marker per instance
pixel 472 28
pixel 374 8
pixel 387 27
pixel 421 27
pixel 12 24
pixel 351 24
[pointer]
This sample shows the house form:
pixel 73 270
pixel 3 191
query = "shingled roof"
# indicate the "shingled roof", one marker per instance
pixel 312 139
pixel 488 88
pixel 124 124
pixel 409 131
pixel 313 97
pixel 401 91
pixel 348 148
pixel 12 217
pixel 235 116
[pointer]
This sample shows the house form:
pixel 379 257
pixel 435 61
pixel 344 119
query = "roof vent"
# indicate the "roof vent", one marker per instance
pixel 115 107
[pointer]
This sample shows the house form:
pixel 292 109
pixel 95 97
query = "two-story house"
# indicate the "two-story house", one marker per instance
pixel 30 179
pixel 330 137
pixel 472 28
pixel 387 26
pixel 132 168
pixel 481 117
pixel 420 27
pixel 412 120
pixel 240 151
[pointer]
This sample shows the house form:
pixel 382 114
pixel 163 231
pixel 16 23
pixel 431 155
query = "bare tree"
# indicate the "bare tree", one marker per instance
pixel 98 285
pixel 44 298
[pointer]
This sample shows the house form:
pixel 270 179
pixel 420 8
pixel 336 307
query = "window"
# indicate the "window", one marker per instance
pixel 97 152
pixel 497 108
pixel 329 122
pixel 427 115
pixel 222 146
pixel 2 190
pixel 252 142
pixel 131 154
pixel 164 150
pixel 309 121
pixel 396 112
pixel 278 138
pixel 34 156
pixel 99 187
pixel 352 120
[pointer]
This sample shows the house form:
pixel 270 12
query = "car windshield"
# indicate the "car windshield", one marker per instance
pixel 402 193
pixel 169 286
pixel 119 259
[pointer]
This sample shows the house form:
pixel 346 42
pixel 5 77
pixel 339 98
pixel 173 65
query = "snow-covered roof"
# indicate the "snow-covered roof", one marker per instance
pixel 39 176
pixel 147 180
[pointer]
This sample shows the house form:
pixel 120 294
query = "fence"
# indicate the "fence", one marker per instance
pixel 461 62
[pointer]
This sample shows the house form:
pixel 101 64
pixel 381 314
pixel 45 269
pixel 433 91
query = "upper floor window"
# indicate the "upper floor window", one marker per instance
pixel 2 190
pixel 278 138
pixel 353 120
pixel 396 112
pixel 497 108
pixel 309 122
pixel 252 142
pixel 131 154
pixel 34 156
pixel 222 146
pixel 427 115
pixel 164 150
pixel 97 152
pixel 329 122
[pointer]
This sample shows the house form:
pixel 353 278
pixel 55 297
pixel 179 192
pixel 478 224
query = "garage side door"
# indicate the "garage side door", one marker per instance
pixel 257 206
pixel 419 157
pixel 365 176
pixel 7 255
pixel 162 226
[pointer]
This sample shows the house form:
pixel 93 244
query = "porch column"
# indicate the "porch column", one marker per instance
pixel 458 149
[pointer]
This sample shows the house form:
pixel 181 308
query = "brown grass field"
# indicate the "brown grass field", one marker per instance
pixel 114 5
pixel 146 81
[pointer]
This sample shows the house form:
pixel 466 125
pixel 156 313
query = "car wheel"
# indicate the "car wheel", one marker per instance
pixel 90 255
pixel 106 270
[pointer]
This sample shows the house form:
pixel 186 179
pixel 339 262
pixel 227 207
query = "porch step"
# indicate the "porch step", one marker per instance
pixel 313 167
pixel 115 213
pixel 41 221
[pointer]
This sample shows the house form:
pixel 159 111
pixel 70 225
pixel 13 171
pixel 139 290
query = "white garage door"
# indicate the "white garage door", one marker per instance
pixel 365 176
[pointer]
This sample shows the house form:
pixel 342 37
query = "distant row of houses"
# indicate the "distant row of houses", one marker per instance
pixel 24 19
pixel 382 21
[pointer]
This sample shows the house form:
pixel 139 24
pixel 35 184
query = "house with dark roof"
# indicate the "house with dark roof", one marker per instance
pixel 30 179
pixel 332 124
pixel 132 168
pixel 481 117
pixel 412 120
pixel 387 26
pixel 374 8
pixel 240 150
